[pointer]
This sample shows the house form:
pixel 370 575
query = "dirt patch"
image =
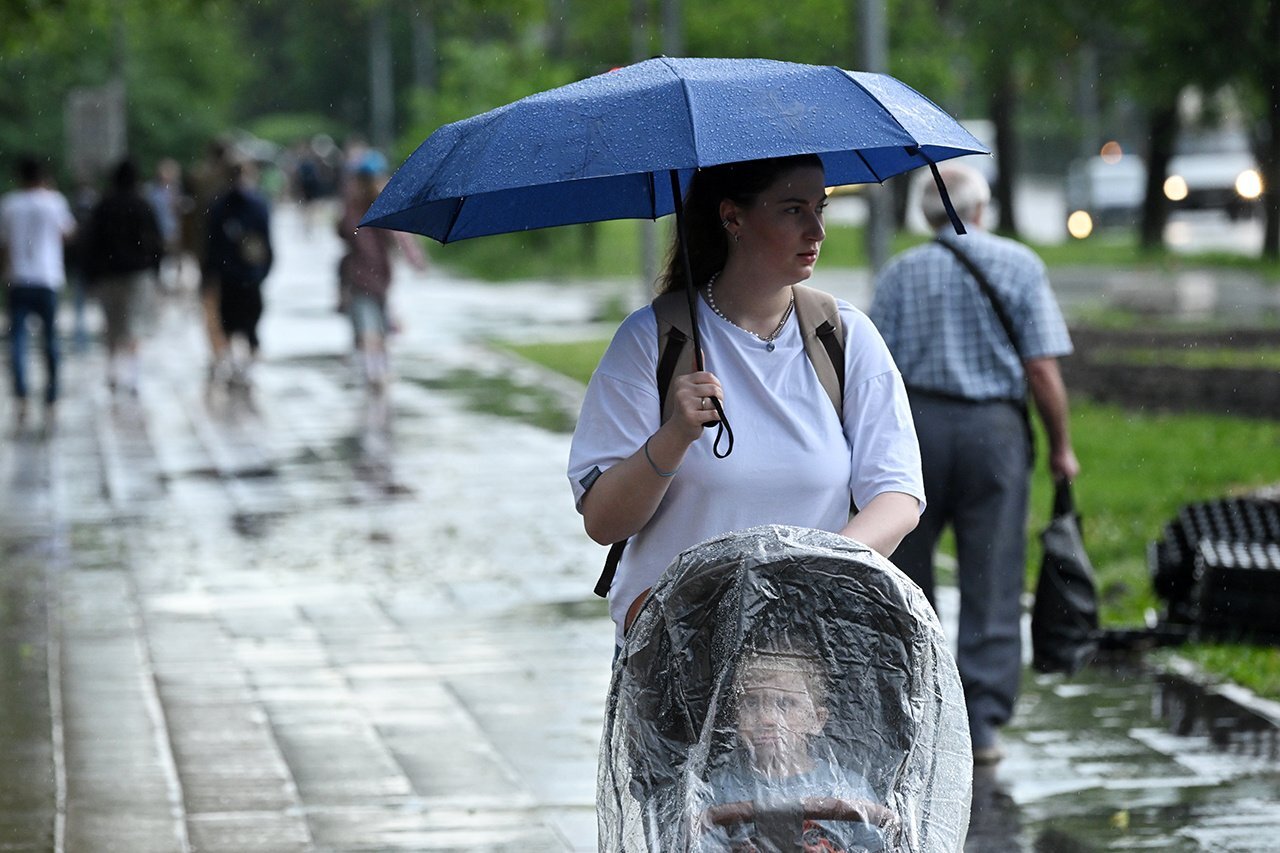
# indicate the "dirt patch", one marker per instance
pixel 1106 367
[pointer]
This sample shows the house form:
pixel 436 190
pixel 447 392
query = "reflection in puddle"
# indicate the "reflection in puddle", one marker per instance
pixel 1189 710
pixel 1120 758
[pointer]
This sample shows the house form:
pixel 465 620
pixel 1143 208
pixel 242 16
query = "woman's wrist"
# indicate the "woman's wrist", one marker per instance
pixel 654 465
pixel 664 451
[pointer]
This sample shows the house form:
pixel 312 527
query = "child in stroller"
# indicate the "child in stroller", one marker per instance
pixel 784 689
pixel 775 779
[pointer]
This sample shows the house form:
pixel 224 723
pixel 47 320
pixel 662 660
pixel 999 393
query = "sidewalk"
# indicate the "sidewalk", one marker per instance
pixel 300 621
pixel 304 621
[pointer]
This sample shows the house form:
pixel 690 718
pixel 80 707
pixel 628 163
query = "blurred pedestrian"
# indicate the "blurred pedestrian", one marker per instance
pixel 365 271
pixel 972 324
pixel 35 223
pixel 240 256
pixel 123 248
pixel 206 182
pixel 164 191
pixel 83 197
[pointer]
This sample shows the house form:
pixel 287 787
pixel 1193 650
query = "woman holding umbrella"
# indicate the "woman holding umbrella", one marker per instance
pixel 754 229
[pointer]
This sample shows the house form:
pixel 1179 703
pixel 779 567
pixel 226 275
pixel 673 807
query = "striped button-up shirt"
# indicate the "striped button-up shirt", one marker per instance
pixel 942 329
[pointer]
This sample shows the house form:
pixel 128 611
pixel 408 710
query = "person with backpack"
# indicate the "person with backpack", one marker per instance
pixel 122 251
pixel 839 456
pixel 239 256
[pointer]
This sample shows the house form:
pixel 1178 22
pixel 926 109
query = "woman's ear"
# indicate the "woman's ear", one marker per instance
pixel 728 214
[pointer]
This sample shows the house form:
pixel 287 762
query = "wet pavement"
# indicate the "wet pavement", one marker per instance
pixel 308 619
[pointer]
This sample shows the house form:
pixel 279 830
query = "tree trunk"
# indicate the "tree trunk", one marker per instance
pixel 381 80
pixel 423 29
pixel 1271 153
pixel 1155 210
pixel 1003 108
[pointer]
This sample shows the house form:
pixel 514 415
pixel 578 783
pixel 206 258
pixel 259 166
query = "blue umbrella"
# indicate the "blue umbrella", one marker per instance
pixel 613 145
pixel 624 145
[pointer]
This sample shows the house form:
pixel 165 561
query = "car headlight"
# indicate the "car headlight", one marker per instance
pixel 1175 188
pixel 1249 184
pixel 1079 224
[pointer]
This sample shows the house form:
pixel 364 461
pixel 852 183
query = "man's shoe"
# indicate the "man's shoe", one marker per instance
pixel 986 744
pixel 986 756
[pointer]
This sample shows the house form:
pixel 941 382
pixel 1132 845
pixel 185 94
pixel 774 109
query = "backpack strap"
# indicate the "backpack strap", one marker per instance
pixel 823 332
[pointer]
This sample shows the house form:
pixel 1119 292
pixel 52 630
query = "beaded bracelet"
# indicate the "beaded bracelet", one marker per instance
pixel 652 465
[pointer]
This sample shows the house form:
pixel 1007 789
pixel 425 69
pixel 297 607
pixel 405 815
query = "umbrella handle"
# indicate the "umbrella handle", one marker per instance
pixel 691 292
pixel 956 223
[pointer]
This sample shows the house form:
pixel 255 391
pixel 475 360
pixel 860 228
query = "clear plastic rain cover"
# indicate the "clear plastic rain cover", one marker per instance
pixel 784 689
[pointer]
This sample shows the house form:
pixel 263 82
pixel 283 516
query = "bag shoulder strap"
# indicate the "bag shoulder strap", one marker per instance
pixel 984 284
pixel 823 333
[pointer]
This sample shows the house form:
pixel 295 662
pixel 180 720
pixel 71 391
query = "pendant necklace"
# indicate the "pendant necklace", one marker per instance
pixel 767 339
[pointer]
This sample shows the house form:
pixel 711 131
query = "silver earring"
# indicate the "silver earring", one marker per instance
pixel 724 223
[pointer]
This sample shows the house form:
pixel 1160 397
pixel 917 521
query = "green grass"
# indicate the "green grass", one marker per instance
pixel 1138 468
pixel 1193 358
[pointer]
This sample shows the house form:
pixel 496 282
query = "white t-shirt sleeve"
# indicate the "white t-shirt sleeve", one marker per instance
pixel 877 417
pixel 620 408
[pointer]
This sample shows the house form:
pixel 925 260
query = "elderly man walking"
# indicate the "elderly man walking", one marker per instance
pixel 973 325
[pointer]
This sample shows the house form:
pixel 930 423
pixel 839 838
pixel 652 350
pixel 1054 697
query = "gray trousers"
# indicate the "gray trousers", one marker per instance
pixel 976 478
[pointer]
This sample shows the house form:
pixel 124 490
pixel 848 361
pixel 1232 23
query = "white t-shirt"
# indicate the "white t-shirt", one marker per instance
pixel 792 462
pixel 33 223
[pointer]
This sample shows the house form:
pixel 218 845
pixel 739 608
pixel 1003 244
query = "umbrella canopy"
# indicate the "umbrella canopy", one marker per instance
pixel 605 147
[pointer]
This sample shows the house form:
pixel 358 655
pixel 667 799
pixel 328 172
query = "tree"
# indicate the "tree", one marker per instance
pixel 176 97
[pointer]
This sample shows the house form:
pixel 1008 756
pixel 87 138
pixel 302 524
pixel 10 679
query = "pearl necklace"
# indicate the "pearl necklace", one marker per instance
pixel 768 339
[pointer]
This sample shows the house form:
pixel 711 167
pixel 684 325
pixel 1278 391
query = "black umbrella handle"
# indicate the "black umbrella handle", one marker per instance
pixel 726 432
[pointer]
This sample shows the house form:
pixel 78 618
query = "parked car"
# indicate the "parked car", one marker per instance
pixel 1109 190
pixel 1214 170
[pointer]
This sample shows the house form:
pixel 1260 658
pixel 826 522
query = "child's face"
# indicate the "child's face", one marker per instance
pixel 777 715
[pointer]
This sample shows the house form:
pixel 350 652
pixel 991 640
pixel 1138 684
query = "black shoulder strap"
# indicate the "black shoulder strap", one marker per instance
pixel 984 284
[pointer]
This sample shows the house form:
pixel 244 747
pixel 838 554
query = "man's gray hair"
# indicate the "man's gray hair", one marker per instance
pixel 969 191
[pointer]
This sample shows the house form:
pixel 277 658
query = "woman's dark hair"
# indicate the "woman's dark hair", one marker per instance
pixel 741 183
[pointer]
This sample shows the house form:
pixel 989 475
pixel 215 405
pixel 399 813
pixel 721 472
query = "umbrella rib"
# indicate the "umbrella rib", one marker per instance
pixel 453 218
pixel 884 110
pixel 870 168
pixel 688 110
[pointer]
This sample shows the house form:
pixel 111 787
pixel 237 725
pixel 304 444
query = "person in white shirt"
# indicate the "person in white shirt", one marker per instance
pixel 35 222
pixel 754 230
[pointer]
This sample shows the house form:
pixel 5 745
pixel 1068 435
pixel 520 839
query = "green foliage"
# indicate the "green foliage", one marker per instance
pixel 177 94
pixel 286 128
pixel 478 76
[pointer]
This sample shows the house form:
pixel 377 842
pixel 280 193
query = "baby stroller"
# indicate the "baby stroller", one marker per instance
pixel 784 689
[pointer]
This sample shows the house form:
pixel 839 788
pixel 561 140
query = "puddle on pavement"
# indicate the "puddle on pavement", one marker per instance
pixel 497 394
pixel 1118 758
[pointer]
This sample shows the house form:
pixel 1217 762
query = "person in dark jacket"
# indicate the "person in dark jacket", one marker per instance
pixel 240 255
pixel 122 252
